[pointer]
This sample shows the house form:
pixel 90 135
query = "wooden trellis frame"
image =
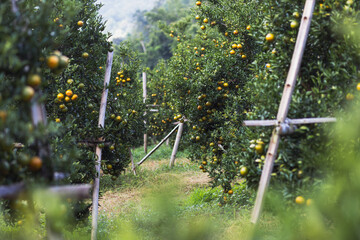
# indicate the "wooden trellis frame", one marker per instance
pixel 283 125
pixel 156 147
pixel 95 198
pixel 178 135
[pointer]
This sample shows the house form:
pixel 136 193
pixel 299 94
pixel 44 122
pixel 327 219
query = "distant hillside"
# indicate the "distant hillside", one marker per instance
pixel 118 14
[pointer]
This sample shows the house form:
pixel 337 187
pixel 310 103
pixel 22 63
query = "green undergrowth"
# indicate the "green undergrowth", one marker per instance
pixel 165 211
pixel 145 176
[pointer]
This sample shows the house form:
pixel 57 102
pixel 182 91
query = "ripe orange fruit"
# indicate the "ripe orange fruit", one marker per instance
pixel 206 20
pixel 244 171
pixel 74 97
pixel 243 56
pixel 3 115
pixel 35 164
pixel 239 46
pixel 198 3
pixel 358 86
pixel 268 65
pixel 34 80
pixel 270 37
pixel 300 200
pixel 197 138
pixel 230 192
pixel 236 32
pixel 60 96
pixel 118 119
pixel 204 162
pixel 232 52
pixel 67 99
pixel 57 120
pixel 28 93
pixel 203 27
pixel 85 55
pixel 234 46
pixel 226 85
pixel 69 93
pixel 53 62
pixel 197 17
pixel 199 107
pixel 80 23
pixel 248 27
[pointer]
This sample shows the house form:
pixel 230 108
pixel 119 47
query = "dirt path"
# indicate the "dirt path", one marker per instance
pixel 120 201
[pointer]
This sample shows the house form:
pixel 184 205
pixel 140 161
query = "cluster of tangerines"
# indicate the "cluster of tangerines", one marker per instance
pixel 61 25
pixel 65 100
pixel 159 125
pixel 121 79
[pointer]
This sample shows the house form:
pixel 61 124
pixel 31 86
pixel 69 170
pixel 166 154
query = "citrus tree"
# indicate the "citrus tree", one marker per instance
pixel 159 97
pixel 328 78
pixel 75 95
pixel 234 69
pixel 27 38
pixel 207 77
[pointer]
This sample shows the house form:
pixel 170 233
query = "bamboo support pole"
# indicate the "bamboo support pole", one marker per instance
pixel 144 100
pixel 176 145
pixel 265 123
pixel 157 146
pixel 95 198
pixel 80 191
pixel 284 106
pixel 132 162
pixel 11 191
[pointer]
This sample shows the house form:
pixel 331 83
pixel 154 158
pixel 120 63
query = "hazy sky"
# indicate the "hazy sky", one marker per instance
pixel 118 14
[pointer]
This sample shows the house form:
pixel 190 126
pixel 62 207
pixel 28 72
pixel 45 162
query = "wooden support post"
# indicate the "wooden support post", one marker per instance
pixel 95 202
pixel 176 145
pixel 11 191
pixel 144 100
pixel 301 121
pixel 157 146
pixel 132 162
pixel 284 106
pixel 79 191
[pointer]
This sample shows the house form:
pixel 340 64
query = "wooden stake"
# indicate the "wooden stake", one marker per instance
pixel 176 145
pixel 132 162
pixel 144 100
pixel 95 203
pixel 284 106
pixel 157 146
pixel 265 123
